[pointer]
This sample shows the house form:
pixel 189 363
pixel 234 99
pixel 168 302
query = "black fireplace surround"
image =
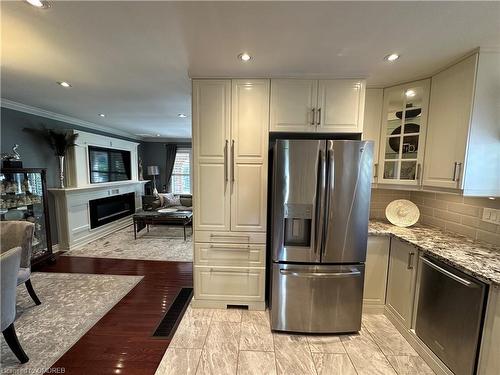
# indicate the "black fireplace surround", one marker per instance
pixel 109 209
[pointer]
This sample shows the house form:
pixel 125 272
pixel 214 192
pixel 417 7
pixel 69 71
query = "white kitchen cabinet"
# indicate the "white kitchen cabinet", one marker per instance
pixel 230 141
pixel 249 149
pixel 463 140
pixel 377 262
pixel 401 280
pixel 229 284
pixel 372 122
pixel 211 134
pixel 402 138
pixel 292 104
pixel 340 105
pixel 327 106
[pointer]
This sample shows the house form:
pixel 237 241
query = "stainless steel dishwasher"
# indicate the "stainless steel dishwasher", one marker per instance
pixel 450 315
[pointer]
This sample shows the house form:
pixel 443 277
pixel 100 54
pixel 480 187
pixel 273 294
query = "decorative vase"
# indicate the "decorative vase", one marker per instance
pixel 61 172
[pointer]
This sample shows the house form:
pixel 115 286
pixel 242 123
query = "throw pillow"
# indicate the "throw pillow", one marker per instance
pixel 169 199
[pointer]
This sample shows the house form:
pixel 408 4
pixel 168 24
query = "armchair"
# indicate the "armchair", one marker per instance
pixel 9 269
pixel 20 233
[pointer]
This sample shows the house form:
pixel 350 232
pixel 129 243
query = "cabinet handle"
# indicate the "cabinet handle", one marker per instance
pixel 225 162
pixel 459 174
pixel 212 235
pixel 319 117
pixel 410 260
pixel 375 170
pixel 232 161
pixel 417 175
pixel 233 248
pixel 454 178
pixel 228 271
pixel 313 118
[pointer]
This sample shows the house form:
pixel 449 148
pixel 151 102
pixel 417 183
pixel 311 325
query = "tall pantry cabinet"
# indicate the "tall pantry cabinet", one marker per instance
pixel 230 146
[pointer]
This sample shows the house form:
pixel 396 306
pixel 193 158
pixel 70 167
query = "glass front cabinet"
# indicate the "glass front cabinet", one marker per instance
pixel 402 139
pixel 23 196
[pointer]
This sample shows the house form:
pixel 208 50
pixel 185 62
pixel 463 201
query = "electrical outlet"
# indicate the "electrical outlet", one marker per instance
pixel 491 215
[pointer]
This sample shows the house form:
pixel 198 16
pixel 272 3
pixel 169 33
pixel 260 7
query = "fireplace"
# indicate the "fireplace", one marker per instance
pixel 109 209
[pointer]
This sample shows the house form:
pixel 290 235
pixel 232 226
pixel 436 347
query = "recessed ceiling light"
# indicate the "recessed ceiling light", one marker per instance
pixel 244 57
pixel 158 135
pixel 39 3
pixel 64 84
pixel 181 115
pixel 392 57
pixel 410 93
pixel 102 115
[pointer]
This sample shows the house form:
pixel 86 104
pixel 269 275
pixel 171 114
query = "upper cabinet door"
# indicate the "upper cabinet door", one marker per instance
pixel 402 138
pixel 250 119
pixel 211 136
pixel 372 121
pixel 450 109
pixel 249 148
pixel 292 105
pixel 340 105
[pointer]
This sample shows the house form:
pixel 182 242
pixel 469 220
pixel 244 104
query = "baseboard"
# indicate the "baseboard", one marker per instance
pixel 210 304
pixel 373 309
pixel 423 351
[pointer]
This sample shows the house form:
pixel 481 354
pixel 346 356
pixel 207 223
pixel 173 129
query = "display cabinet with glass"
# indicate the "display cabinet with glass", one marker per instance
pixel 403 133
pixel 23 196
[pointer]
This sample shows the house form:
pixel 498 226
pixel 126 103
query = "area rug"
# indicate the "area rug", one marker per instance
pixel 71 304
pixel 160 243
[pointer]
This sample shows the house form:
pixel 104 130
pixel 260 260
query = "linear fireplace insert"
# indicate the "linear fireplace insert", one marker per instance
pixel 109 209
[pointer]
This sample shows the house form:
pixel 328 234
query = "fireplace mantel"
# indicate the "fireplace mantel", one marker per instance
pixel 72 203
pixel 104 185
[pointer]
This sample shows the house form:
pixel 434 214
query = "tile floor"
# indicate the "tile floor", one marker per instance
pixel 210 341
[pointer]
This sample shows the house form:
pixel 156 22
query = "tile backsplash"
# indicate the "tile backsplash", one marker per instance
pixel 453 213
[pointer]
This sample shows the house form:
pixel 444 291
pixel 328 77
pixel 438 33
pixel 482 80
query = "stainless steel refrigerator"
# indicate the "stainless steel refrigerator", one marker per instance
pixel 319 222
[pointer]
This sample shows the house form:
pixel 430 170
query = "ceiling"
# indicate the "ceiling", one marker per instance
pixel 133 61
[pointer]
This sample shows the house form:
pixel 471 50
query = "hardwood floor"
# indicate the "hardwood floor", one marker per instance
pixel 121 342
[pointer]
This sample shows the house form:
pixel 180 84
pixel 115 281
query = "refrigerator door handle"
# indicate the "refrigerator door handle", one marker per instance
pixel 317 275
pixel 320 203
pixel 329 183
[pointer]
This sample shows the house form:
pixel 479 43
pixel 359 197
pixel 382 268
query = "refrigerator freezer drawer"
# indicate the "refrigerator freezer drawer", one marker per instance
pixel 316 299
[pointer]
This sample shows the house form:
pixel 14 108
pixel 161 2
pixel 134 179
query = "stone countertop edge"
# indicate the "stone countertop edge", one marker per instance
pixel 475 258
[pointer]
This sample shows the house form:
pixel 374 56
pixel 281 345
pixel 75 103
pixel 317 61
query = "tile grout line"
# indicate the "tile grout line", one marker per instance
pixel 348 356
pixel 274 348
pixel 310 352
pixel 204 342
pixel 238 346
pixel 381 351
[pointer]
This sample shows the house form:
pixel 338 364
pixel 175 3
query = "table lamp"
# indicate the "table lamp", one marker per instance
pixel 154 171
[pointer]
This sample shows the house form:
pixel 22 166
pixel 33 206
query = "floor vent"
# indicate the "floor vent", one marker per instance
pixel 172 318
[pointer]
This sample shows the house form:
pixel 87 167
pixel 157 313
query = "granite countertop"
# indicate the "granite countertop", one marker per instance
pixel 475 258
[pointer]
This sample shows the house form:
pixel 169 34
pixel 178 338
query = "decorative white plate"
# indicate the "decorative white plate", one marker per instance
pixel 402 213
pixel 165 210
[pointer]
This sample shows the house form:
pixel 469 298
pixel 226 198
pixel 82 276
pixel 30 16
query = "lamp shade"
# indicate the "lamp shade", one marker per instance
pixel 153 170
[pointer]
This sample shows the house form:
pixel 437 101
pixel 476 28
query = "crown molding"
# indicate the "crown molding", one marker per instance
pixel 6 103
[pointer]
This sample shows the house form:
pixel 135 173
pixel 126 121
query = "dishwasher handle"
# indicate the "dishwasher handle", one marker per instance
pixel 451 275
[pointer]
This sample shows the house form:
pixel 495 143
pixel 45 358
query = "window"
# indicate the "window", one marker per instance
pixel 180 182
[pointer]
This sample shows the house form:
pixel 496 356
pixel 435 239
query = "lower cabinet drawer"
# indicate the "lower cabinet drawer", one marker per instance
pixel 229 237
pixel 239 255
pixel 229 283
